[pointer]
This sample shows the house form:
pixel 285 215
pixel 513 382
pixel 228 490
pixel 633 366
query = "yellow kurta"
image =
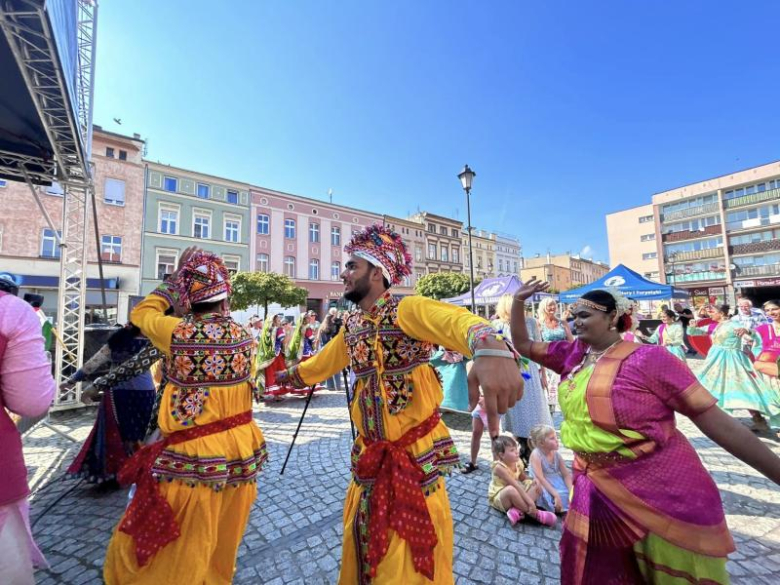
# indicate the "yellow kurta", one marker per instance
pixel 209 481
pixel 396 390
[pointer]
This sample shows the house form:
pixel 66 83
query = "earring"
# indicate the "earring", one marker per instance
pixel 612 328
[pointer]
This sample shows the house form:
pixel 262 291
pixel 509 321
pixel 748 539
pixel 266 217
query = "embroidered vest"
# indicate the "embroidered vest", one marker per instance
pixel 211 350
pixel 379 329
pixel 14 484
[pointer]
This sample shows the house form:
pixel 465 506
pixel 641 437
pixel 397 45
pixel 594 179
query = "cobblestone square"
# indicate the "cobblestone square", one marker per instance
pixel 294 535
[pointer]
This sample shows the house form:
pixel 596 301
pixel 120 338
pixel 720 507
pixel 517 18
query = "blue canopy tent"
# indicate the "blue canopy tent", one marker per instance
pixel 631 284
pixel 490 290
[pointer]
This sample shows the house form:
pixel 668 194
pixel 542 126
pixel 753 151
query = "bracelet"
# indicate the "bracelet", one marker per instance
pixel 503 353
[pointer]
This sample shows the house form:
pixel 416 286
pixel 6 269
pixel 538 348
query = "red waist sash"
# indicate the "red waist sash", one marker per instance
pixel 149 519
pixel 397 500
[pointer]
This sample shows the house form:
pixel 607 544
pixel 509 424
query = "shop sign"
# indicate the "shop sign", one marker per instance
pixel 757 283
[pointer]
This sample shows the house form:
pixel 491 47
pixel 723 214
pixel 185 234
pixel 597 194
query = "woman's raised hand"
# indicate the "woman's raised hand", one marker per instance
pixel 531 287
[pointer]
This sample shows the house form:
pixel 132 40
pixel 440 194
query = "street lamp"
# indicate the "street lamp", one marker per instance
pixel 466 177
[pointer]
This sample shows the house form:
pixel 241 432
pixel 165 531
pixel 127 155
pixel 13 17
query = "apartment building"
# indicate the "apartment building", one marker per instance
pixel 413 234
pixel 483 246
pixel 631 235
pixel 563 271
pixel 442 242
pixel 188 208
pixel 304 239
pixel 509 254
pixel 720 238
pixel 29 246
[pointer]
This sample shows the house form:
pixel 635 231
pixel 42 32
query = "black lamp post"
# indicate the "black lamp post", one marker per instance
pixel 466 177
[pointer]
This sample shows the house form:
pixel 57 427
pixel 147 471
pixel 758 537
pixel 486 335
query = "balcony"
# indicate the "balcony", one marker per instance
pixel 755 247
pixel 771 195
pixel 695 255
pixel 710 230
pixel 707 209
pixel 675 279
pixel 762 270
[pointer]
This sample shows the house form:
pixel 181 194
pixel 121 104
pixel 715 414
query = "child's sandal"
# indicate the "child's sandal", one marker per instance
pixel 469 468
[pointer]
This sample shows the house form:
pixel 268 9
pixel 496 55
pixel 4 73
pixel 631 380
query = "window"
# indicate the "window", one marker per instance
pixel 455 256
pixel 232 197
pixel 454 233
pixel 335 236
pixel 650 256
pixel 203 191
pixel 166 262
pixel 114 192
pixel 169 219
pixel 647 237
pixel 111 248
pixel 289 229
pixel 335 270
pixel 646 219
pixel 55 189
pixel 432 251
pixel 262 262
pixel 445 257
pixel 314 233
pixel 232 263
pixel 694 246
pixel 314 269
pixel 442 230
pixel 263 224
pixel 201 225
pixel 171 184
pixel 49 246
pixel 232 228
pixel 289 266
pixel 418 253
pixel 109 152
pixel 500 264
pixel 431 228
pixel 122 155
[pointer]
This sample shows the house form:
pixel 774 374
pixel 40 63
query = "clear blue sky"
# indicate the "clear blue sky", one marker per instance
pixel 565 110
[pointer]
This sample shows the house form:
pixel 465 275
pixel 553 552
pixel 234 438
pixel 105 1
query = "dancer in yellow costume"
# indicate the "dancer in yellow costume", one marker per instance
pixel 195 485
pixel 397 520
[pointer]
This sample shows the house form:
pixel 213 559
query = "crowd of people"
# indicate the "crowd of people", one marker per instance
pixel 175 389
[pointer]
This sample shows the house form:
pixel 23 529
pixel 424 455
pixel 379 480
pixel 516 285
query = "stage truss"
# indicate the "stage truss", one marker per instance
pixel 27 28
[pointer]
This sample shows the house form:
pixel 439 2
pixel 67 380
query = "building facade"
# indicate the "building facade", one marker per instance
pixel 29 247
pixel 483 246
pixel 720 238
pixel 187 208
pixel 304 239
pixel 442 242
pixel 563 271
pixel 631 234
pixel 509 255
pixel 559 277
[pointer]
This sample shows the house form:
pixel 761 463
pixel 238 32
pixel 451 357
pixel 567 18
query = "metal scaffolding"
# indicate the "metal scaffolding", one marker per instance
pixel 68 126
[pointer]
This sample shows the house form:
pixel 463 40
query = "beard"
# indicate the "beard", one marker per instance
pixel 359 291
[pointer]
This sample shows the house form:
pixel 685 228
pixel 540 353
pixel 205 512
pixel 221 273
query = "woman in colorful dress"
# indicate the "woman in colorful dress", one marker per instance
pixel 532 410
pixel 668 334
pixel 271 357
pixel 767 353
pixel 729 374
pixel 551 329
pixel 124 411
pixel 619 401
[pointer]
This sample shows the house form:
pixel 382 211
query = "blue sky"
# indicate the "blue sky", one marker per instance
pixel 565 110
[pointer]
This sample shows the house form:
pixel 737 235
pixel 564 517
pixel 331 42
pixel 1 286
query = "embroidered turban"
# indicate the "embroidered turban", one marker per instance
pixel 383 248
pixel 204 278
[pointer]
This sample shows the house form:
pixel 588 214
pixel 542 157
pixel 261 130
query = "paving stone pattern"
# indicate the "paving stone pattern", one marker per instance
pixel 294 534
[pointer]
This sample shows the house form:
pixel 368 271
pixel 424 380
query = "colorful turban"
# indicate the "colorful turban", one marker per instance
pixel 203 279
pixel 383 248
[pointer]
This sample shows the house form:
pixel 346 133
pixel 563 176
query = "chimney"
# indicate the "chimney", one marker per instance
pixel 136 135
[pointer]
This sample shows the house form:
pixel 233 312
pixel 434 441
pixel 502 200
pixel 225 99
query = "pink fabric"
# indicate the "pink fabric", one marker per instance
pixel 770 343
pixel 644 397
pixel 16 518
pixel 26 388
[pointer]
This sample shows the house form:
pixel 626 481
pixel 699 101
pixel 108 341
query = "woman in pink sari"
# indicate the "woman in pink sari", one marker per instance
pixel 643 506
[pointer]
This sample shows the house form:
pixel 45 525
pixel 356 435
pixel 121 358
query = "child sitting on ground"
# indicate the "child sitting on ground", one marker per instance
pixel 549 470
pixel 511 491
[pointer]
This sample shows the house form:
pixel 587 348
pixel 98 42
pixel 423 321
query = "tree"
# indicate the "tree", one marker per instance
pixel 264 288
pixel 442 285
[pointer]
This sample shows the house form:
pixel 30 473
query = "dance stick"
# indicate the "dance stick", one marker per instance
pixel 300 422
pixel 349 402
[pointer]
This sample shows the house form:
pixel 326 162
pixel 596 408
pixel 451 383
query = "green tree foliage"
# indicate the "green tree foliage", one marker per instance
pixel 442 285
pixel 264 288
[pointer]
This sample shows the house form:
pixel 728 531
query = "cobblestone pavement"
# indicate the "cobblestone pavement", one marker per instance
pixel 294 534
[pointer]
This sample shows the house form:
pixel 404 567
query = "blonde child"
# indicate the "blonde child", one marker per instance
pixel 549 470
pixel 511 491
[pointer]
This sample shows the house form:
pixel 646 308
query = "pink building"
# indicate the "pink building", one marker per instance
pixel 304 239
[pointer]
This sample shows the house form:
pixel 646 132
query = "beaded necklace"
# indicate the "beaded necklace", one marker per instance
pixel 588 359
